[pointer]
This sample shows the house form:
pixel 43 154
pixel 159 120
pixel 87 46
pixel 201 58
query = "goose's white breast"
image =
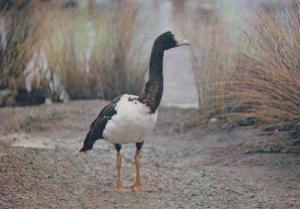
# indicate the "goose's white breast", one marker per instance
pixel 131 123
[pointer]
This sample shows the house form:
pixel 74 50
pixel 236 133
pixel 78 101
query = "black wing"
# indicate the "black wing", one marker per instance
pixel 97 127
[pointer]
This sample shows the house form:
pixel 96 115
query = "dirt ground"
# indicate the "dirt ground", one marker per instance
pixel 182 165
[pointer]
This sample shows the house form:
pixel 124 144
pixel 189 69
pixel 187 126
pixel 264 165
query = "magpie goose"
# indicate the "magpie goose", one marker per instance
pixel 128 118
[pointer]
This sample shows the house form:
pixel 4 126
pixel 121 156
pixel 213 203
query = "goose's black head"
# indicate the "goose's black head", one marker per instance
pixel 168 40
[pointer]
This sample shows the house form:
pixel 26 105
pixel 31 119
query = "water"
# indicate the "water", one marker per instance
pixel 179 88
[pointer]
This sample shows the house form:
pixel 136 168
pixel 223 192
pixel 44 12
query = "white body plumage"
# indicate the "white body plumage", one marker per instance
pixel 131 123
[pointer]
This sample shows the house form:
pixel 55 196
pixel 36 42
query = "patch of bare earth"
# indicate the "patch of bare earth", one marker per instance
pixel 183 166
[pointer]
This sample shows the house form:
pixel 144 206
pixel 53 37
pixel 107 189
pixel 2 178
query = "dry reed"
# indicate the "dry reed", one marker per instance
pixel 118 52
pixel 266 83
pixel 256 85
pixel 113 62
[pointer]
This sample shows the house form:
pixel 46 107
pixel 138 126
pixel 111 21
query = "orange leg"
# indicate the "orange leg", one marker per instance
pixel 118 171
pixel 137 185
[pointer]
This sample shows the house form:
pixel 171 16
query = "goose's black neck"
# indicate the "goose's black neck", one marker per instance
pixel 154 87
pixel 156 62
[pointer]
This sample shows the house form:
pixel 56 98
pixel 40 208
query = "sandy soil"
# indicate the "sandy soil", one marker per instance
pixel 183 166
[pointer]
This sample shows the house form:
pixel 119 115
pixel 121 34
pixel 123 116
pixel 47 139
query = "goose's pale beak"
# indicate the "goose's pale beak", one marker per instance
pixel 181 42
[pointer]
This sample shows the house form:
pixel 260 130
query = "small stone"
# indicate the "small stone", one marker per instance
pixel 48 101
pixel 213 120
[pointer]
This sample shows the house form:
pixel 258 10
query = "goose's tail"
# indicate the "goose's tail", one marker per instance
pixel 89 141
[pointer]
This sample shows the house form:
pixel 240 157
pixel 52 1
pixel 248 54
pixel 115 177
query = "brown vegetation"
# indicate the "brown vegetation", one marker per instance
pixel 118 52
pixel 266 83
pixel 18 48
pixel 111 64
pixel 257 84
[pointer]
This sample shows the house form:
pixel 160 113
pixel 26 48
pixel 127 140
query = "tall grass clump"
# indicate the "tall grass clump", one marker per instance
pixel 211 61
pixel 95 52
pixel 63 58
pixel 256 81
pixel 24 26
pixel 118 64
pixel 266 84
pixel 87 50
pixel 16 51
pixel 212 54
